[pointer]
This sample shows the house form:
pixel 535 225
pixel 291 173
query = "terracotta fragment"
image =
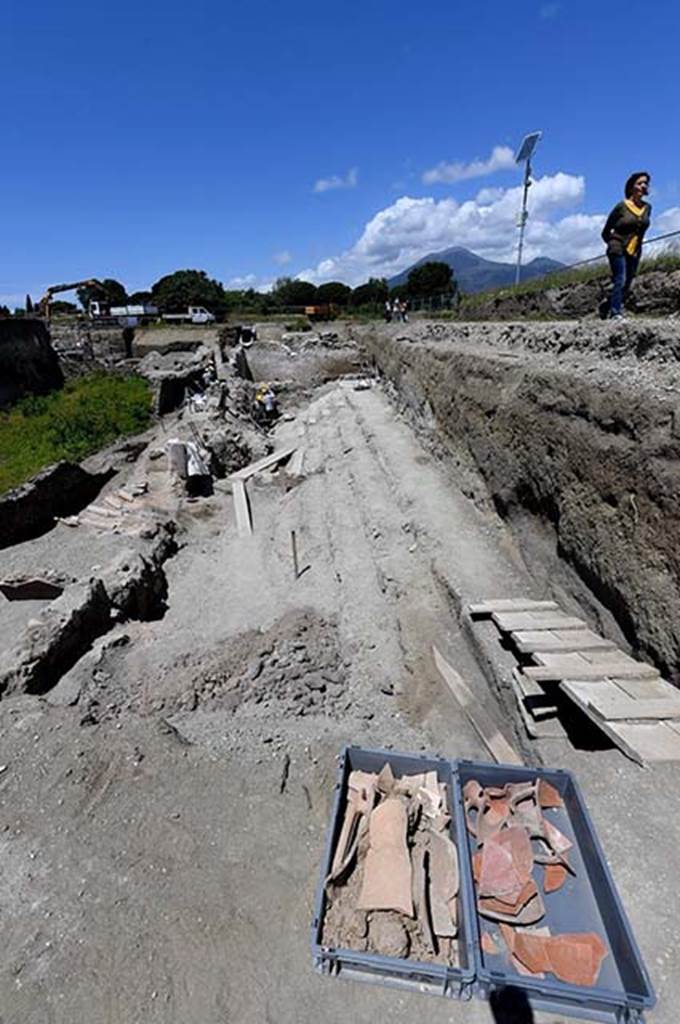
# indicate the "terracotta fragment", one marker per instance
pixel 488 945
pixel 477 866
pixel 507 860
pixel 443 885
pixel 548 795
pixel 361 788
pixel 511 906
pixel 385 782
pixel 532 951
pixel 387 868
pixel 532 911
pixel 554 877
pixel 577 958
pixel 558 841
pixel 419 861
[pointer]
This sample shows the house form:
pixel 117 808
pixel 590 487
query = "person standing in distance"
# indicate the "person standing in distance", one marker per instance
pixel 623 233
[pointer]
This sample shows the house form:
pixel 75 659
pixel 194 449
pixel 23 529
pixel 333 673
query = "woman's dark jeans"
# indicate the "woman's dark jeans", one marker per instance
pixel 623 270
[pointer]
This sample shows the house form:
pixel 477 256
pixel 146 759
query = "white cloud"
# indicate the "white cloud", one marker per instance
pixel 282 258
pixel 350 180
pixel 502 158
pixel 411 228
pixel 550 10
pixel 241 283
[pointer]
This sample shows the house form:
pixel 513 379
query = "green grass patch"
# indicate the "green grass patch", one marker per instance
pixel 86 415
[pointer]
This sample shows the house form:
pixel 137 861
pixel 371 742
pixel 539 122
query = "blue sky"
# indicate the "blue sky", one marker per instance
pixel 258 139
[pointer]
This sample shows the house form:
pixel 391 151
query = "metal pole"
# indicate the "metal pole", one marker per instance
pixel 523 219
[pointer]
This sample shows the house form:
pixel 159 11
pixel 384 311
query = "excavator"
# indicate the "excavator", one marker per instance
pixel 43 306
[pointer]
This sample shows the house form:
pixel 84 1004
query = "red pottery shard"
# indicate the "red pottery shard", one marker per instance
pixel 531 912
pixel 488 945
pixel 507 860
pixel 509 935
pixel 532 951
pixel 548 795
pixel 555 877
pixel 507 906
pixel 557 840
pixel 576 958
pixel 477 866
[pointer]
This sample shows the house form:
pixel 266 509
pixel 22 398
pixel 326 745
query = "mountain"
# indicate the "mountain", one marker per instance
pixel 475 274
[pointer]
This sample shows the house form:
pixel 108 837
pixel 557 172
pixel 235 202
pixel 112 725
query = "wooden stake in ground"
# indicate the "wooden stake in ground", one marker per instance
pixel 483 724
pixel 293 544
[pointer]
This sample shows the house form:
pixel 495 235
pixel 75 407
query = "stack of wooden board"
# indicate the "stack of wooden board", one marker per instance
pixel 627 699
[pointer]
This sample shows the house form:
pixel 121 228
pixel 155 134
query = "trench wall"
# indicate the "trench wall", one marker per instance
pixel 597 459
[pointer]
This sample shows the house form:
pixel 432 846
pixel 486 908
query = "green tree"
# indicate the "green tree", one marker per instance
pixel 174 292
pixel 373 293
pixel 5 311
pixel 140 298
pixel 60 307
pixel 333 293
pixel 429 279
pixel 290 292
pixel 111 291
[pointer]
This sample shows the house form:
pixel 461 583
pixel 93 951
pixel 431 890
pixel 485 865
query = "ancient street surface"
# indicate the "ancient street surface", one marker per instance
pixel 161 839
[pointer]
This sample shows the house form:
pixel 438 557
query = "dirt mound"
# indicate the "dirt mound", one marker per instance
pixel 292 670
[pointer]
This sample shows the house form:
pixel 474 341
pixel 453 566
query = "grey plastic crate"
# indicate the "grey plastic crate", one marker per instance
pixel 454 982
pixel 587 902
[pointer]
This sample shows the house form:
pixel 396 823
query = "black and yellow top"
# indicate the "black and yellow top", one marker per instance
pixel 625 228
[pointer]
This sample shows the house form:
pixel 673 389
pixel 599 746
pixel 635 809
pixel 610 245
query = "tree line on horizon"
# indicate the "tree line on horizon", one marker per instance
pixel 174 292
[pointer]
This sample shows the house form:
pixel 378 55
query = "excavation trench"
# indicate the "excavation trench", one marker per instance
pixel 579 455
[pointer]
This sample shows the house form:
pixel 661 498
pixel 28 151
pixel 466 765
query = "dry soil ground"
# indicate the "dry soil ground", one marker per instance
pixel 161 841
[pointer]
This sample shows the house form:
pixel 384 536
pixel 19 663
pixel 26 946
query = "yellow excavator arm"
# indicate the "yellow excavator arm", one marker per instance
pixel 44 303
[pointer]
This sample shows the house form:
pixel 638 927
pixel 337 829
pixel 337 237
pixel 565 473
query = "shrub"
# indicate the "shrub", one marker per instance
pixel 86 415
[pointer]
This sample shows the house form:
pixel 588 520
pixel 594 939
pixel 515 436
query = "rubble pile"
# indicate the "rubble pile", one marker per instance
pixel 513 834
pixel 296 674
pixel 394 883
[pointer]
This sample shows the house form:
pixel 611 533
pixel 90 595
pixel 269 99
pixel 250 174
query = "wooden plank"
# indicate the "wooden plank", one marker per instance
pixel 511 622
pixel 528 686
pixel 610 702
pixel 535 699
pixel 618 707
pixel 641 741
pixel 544 728
pixel 510 604
pixel 294 467
pixel 265 463
pixel 565 641
pixel 653 742
pixel 575 666
pixel 487 730
pixel 241 509
pixel 645 689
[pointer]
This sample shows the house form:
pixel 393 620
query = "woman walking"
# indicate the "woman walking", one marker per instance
pixel 623 233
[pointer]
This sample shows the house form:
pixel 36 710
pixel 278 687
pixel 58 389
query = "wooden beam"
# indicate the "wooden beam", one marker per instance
pixel 576 666
pixel 265 463
pixel 294 467
pixel 241 508
pixel 510 604
pixel 560 641
pixel 511 622
pixel 485 727
pixel 641 741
